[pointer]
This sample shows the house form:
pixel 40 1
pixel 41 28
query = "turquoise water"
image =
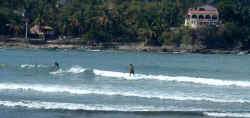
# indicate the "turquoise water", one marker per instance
pixel 96 84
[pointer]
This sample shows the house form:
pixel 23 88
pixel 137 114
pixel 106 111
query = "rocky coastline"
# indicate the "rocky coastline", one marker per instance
pixel 20 43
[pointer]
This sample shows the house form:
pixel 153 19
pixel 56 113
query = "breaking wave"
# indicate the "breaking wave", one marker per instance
pixel 228 114
pixel 73 70
pixel 126 76
pixel 141 94
pixel 196 80
pixel 72 106
pixel 117 108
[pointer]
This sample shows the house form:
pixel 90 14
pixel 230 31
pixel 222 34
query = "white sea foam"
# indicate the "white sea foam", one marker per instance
pixel 27 66
pixel 30 66
pixel 228 114
pixel 133 93
pixel 73 106
pixel 76 69
pixel 73 70
pixel 109 107
pixel 126 76
pixel 196 80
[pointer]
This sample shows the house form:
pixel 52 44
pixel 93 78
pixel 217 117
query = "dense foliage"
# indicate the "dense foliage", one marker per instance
pixel 156 22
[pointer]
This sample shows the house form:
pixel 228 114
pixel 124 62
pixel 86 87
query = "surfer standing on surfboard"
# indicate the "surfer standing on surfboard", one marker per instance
pixel 131 69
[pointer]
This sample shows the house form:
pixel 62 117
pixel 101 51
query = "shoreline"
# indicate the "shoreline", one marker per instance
pixel 136 47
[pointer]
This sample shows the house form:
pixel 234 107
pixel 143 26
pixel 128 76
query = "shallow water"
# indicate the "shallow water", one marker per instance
pixel 97 84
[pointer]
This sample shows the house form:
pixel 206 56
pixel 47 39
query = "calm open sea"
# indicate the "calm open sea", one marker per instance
pixel 96 84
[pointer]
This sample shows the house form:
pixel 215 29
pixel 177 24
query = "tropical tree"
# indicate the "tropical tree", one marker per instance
pixel 4 17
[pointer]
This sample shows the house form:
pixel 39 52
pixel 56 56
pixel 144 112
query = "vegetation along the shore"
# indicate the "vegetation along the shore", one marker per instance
pixel 154 22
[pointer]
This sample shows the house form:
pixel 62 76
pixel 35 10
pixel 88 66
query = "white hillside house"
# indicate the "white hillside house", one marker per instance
pixel 202 16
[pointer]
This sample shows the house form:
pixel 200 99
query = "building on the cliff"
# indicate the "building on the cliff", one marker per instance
pixel 46 32
pixel 202 16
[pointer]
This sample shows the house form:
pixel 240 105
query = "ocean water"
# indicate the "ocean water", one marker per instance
pixel 96 84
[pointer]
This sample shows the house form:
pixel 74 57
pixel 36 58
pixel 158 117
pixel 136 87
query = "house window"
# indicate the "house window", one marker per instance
pixel 214 17
pixel 201 17
pixel 208 17
pixel 194 16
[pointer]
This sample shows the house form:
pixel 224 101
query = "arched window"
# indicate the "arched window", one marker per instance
pixel 194 16
pixel 208 17
pixel 214 17
pixel 201 17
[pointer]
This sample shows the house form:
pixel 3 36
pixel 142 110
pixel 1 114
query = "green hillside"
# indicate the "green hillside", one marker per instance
pixel 155 22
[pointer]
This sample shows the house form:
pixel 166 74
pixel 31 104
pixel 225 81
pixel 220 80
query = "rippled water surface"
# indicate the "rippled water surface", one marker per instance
pixel 96 84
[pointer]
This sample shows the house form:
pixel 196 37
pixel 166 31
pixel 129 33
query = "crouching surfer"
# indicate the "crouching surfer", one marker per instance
pixel 56 64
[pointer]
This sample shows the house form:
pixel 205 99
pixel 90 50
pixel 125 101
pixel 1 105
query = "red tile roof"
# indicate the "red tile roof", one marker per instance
pixel 204 12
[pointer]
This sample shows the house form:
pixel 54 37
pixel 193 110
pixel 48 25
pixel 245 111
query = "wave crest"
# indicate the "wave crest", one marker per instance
pixel 196 80
pixel 141 94
pixel 228 114
pixel 72 70
pixel 72 106
pixel 126 76
pixel 117 108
